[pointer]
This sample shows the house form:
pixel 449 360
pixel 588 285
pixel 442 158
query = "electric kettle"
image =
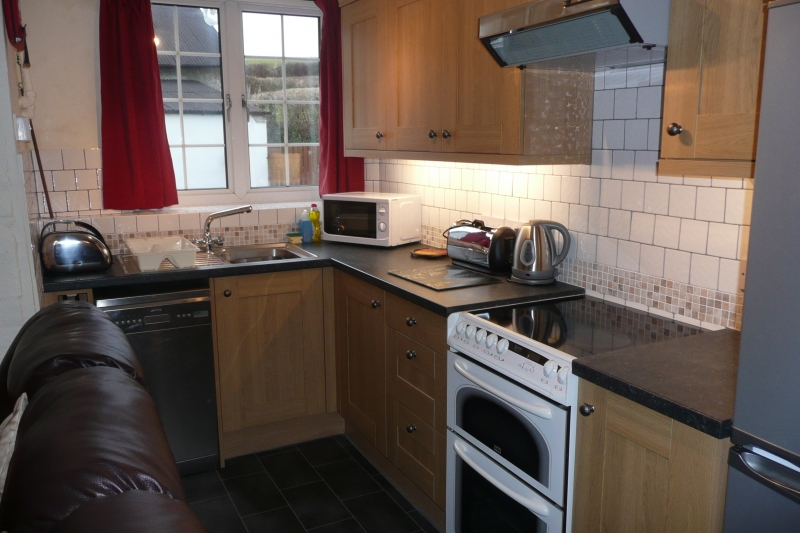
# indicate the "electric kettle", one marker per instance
pixel 535 257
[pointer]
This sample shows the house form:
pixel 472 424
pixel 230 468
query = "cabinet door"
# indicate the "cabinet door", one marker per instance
pixel 481 108
pixel 270 343
pixel 712 80
pixel 360 343
pixel 364 75
pixel 415 77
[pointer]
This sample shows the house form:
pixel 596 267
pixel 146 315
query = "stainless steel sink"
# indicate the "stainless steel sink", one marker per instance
pixel 259 253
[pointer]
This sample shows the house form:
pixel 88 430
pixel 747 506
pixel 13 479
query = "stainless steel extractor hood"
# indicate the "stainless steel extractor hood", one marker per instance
pixel 550 29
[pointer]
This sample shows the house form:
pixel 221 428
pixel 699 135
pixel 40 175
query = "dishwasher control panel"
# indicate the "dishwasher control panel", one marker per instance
pixel 156 317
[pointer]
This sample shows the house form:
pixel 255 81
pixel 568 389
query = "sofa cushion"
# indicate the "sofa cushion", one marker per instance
pixel 132 512
pixel 88 434
pixel 66 336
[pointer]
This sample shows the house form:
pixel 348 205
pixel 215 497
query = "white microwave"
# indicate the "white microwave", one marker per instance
pixel 374 218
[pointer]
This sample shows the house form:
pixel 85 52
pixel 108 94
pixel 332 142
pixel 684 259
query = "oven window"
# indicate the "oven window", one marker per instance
pixel 500 428
pixel 353 219
pixel 484 508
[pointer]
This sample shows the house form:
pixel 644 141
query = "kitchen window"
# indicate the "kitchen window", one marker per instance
pixel 240 83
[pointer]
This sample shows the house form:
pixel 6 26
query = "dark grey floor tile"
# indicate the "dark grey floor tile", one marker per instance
pixel 289 469
pixel 378 513
pixel 276 451
pixel 203 486
pixel 345 526
pixel 280 520
pixel 394 493
pixel 321 451
pixel 219 516
pixel 347 479
pixel 315 505
pixel 239 466
pixel 423 522
pixel 254 493
pixel 355 454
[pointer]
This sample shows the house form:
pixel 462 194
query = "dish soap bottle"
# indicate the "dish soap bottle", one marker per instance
pixel 306 228
pixel 314 216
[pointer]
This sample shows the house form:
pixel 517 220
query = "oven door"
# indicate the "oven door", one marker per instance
pixel 512 425
pixel 483 497
pixel 350 219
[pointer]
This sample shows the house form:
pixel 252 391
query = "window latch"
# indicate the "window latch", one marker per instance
pixel 228 106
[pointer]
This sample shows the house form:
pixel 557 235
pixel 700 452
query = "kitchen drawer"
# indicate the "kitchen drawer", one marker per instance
pixel 411 353
pixel 420 324
pixel 416 450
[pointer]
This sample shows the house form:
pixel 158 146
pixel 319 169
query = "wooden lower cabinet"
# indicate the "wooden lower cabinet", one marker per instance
pixel 269 331
pixel 639 471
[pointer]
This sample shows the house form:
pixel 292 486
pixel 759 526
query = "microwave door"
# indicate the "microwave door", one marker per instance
pixel 351 219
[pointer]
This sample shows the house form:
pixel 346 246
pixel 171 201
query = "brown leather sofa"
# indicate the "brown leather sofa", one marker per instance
pixel 91 454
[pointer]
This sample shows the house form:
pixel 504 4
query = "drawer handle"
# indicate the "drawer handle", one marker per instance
pixel 446 134
pixel 586 409
pixel 375 304
pixel 411 428
pixel 378 135
pixel 674 129
pixel 227 294
pixel 411 321
pixel 432 134
pixel 411 354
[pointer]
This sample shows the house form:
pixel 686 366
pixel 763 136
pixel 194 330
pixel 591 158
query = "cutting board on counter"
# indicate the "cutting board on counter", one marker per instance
pixel 444 277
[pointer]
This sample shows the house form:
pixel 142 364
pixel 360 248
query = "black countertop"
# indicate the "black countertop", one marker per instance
pixel 368 263
pixel 690 379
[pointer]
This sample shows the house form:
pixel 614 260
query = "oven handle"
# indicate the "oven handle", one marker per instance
pixel 538 410
pixel 537 507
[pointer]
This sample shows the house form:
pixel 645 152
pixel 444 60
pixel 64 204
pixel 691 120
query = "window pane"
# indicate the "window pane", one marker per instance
pixel 304 165
pixel 203 124
pixel 177 164
pixel 265 123
pixel 205 168
pixel 302 80
pixel 262 35
pixel 173 121
pixel 264 79
pixel 164 27
pixel 301 36
pixel 258 166
pixel 303 123
pixel 198 30
pixel 201 77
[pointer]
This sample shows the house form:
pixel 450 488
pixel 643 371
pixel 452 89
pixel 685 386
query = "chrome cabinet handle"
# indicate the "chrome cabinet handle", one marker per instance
pixel 432 134
pixel 378 135
pixel 674 129
pixel 586 409
pixel 375 304
pixel 411 354
pixel 411 428
pixel 227 294
pixel 411 321
pixel 446 134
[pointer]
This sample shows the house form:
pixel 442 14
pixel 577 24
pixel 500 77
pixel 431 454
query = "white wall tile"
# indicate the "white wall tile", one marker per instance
pixel 520 185
pixel 628 255
pixel 744 242
pixel 526 209
pixel 560 213
pixel 125 224
pixel 590 191
pixel 485 204
pixel 622 165
pixel 147 223
pixel 78 201
pixel 599 80
pixel 638 76
pixel 625 103
pixel 543 209
pixel 479 180
pixel 601 163
pixel 697 181
pixel 657 74
pixel 251 218
pixel 467 177
pixel 705 271
pixel 633 196
pixel 672 180
pixel 636 134
pixel 654 134
pixel 58 201
pixel 96 199
pixel 723 240
pixel 667 232
pixel 607 251
pixel 438 197
pixel 598 221
pixel 552 188
pixel 51 159
pixel 492 182
pixel 64 180
pixel 461 200
pixel 648 102
pixel 656 198
pixel 578 218
pixel 677 265
pixel 93 157
pixel 535 187
pixel 682 201
pixel 512 208
pixel 580 171
pixel 603 106
pixel 570 189
pixel 498 206
pixel 86 179
pixel 473 201
pixel 694 235
pixel 104 225
pixel 710 204
pixel 731 276
pixel 597 134
pixel 727 183
pixel 169 222
pixel 615 78
pixel 619 224
pixel 645 166
pixel 652 260
pixel 738 206
pixel 611 193
pixel 587 247
pixel 642 227
pixel 73 159
pixel 506 186
pixel 449 199
pixel 614 135
pixel 286 216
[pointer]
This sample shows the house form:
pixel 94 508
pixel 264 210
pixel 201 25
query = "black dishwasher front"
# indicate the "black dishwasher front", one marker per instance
pixel 172 337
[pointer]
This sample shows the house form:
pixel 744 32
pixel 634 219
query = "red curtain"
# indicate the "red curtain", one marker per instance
pixel 337 173
pixel 14 27
pixel 137 166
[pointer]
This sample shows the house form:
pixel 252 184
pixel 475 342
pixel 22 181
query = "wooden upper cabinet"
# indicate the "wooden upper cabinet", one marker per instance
pixel 364 74
pixel 711 87
pixel 415 75
pixel 270 344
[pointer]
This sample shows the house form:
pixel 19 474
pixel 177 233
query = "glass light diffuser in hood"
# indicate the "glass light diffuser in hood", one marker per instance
pixel 596 31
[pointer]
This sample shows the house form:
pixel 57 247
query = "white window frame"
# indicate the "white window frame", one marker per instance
pixel 237 153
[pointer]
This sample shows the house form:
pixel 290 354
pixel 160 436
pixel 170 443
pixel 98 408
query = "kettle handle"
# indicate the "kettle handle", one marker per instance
pixel 567 241
pixel 91 229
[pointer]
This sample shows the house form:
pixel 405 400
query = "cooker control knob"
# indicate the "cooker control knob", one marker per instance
pixel 382 226
pixel 460 327
pixel 491 340
pixel 480 336
pixel 563 374
pixel 550 368
pixel 470 331
pixel 502 345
